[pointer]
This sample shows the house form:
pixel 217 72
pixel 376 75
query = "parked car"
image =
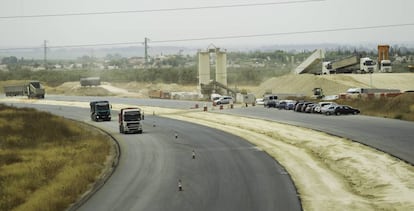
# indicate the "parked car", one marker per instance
pixel 290 105
pixel 317 108
pixel 259 101
pixel 305 104
pixel 328 109
pixel 344 109
pixel 309 108
pixel 269 100
pixel 298 106
pixel 272 103
pixel 281 104
pixel 224 100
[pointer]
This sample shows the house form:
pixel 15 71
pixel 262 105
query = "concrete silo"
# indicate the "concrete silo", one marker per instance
pixel 203 67
pixel 221 67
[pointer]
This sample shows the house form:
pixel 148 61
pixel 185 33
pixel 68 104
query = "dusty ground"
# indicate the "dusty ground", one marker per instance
pixel 334 84
pixel 303 84
pixel 330 173
pixel 130 89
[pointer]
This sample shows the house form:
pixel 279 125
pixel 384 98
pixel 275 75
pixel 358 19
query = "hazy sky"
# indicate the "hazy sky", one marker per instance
pixel 218 22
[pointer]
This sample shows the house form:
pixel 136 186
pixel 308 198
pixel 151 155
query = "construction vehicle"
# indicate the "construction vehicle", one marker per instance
pixel 130 120
pixel 349 65
pixel 32 89
pixel 371 91
pixel 385 66
pixel 100 111
pixel 159 94
pixel 318 93
pixel 90 81
pixel 367 65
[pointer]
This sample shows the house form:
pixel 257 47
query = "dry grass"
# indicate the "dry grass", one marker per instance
pixel 46 162
pixel 400 107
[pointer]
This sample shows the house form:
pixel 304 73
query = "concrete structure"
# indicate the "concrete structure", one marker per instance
pixel 383 52
pixel 316 57
pixel 203 67
pixel 221 67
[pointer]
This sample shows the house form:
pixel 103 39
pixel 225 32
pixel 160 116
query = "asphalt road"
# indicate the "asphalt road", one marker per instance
pixel 395 137
pixel 227 174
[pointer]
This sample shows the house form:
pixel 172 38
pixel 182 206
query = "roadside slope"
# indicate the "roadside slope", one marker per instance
pixel 334 84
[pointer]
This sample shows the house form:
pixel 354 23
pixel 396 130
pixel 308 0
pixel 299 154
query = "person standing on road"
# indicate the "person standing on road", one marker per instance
pixel 193 154
pixel 176 135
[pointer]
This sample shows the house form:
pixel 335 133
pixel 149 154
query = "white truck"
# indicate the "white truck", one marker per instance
pixel 130 120
pixel 349 65
pixel 385 66
pixel 367 65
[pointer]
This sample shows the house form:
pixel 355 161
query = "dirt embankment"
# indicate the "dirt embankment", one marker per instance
pixel 288 84
pixel 129 89
pixel 330 173
pixel 335 84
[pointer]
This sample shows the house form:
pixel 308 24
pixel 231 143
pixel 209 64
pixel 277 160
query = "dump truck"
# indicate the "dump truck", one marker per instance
pixel 159 94
pixel 349 65
pixel 90 81
pixel 130 120
pixel 100 111
pixel 31 89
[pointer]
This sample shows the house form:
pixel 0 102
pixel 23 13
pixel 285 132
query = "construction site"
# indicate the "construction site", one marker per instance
pixel 357 63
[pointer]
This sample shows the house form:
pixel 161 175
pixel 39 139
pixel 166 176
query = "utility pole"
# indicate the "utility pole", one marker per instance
pixel 45 54
pixel 146 51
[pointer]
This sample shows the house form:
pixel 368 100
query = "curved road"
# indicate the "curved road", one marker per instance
pixel 227 174
pixel 392 136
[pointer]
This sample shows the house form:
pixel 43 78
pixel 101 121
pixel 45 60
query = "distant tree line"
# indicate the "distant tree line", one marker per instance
pixel 247 68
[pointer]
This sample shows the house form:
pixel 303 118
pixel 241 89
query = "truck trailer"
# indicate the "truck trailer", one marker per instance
pixel 32 89
pixel 100 110
pixel 129 120
pixel 349 65
pixel 159 94
pixel 90 81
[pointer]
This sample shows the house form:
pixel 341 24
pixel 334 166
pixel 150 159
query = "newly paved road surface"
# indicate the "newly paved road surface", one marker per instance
pixel 392 136
pixel 227 174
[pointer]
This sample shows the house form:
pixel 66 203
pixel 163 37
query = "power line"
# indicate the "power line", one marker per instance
pixel 222 37
pixel 159 10
pixel 286 33
pixel 75 46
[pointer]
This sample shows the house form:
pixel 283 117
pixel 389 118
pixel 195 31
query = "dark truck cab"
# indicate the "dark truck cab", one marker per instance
pixel 100 110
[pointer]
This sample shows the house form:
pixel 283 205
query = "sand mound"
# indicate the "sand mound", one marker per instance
pixel 334 84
